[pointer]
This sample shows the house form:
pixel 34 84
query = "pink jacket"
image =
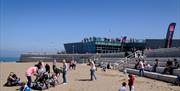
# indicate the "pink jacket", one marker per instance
pixel 31 71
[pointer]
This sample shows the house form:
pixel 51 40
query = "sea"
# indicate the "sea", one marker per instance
pixel 9 59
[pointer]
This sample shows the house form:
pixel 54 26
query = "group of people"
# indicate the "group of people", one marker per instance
pixel 43 76
pixel 169 67
pixel 46 78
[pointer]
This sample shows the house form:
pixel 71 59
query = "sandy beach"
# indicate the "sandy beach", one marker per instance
pixel 78 79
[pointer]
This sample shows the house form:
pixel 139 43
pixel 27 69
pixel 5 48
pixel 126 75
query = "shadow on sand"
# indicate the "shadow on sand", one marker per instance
pixel 84 79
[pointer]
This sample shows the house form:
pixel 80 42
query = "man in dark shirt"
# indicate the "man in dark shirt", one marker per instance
pixel 169 67
pixel 176 64
pixel 155 65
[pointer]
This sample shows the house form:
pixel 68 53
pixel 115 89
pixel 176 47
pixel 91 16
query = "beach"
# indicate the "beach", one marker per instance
pixel 78 80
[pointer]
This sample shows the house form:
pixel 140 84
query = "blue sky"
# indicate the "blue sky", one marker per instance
pixel 45 25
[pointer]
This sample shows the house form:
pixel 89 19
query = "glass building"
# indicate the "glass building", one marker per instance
pixel 103 45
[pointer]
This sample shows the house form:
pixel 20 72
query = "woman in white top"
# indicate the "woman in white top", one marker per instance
pixel 141 68
pixel 92 70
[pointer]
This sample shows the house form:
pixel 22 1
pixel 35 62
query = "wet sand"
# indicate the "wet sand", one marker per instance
pixel 78 80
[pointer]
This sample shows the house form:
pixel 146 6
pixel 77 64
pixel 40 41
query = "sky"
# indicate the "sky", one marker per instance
pixel 45 25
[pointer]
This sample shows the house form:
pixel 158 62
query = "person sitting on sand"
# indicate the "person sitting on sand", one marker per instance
pixel 31 71
pixel 123 88
pixel 24 87
pixel 131 82
pixel 12 80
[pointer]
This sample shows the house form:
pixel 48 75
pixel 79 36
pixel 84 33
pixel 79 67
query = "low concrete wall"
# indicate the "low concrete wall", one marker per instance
pixel 176 72
pixel 153 75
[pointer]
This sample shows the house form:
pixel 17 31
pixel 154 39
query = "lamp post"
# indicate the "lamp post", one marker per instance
pixel 73 52
pixel 73 49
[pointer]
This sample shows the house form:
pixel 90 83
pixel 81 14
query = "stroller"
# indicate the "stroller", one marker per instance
pixel 41 82
pixel 53 80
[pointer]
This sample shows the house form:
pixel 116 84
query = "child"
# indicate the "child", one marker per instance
pixel 123 88
pixel 131 82
pixel 24 87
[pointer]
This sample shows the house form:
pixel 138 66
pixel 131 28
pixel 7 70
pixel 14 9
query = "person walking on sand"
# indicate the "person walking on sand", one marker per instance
pixel 141 68
pixel 65 68
pixel 123 88
pixel 31 71
pixel 92 70
pixel 74 64
pixel 131 82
